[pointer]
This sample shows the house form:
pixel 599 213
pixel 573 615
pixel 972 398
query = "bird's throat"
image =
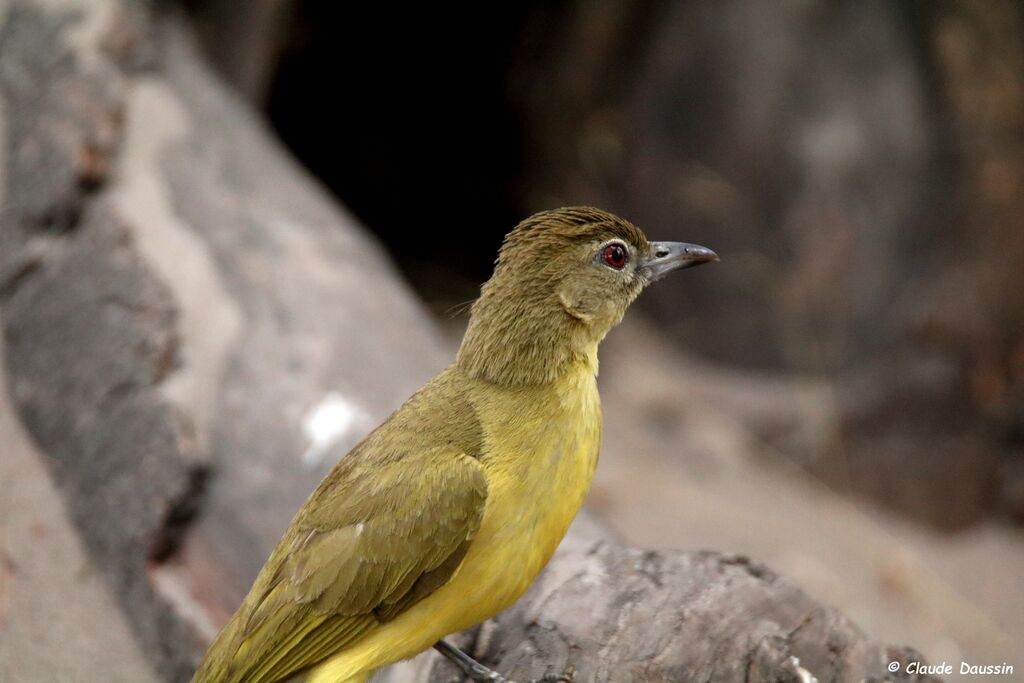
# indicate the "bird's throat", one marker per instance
pixel 520 344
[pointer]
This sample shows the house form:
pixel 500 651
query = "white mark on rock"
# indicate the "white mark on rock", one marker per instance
pixel 326 423
pixel 804 675
pixel 359 528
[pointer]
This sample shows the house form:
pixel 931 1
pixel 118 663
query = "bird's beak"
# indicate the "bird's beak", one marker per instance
pixel 668 256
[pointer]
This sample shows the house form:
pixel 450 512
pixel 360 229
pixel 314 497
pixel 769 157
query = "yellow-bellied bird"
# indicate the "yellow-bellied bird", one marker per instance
pixel 445 514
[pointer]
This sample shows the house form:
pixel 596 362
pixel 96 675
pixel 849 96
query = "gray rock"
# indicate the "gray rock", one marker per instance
pixel 50 591
pixel 622 615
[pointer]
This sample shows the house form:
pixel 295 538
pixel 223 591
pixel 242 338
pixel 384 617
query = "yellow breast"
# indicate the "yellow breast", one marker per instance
pixel 541 448
pixel 540 452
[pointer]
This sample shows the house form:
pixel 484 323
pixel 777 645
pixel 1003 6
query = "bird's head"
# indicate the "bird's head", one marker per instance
pixel 563 279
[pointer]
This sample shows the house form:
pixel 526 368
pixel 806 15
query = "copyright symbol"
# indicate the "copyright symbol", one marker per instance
pixel 894 666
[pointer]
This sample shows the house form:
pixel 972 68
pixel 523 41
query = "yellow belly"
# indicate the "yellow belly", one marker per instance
pixel 537 479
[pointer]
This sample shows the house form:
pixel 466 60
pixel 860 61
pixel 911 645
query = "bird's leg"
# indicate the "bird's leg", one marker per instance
pixel 470 667
pixel 476 671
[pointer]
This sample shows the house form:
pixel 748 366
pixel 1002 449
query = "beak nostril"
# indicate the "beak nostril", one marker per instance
pixel 664 257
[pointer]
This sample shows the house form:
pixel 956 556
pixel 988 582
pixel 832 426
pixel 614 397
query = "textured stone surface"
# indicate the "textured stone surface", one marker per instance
pixel 615 614
pixel 89 329
pixel 178 298
pixel 51 596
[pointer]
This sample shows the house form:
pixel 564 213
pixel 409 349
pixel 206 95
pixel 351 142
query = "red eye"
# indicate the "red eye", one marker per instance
pixel 615 256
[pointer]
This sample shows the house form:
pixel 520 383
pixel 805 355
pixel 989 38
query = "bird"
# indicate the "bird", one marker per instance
pixel 445 514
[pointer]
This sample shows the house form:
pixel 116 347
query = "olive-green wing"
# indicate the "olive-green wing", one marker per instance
pixel 369 543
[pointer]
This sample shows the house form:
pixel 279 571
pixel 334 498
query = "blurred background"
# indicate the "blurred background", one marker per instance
pixel 859 163
pixel 842 397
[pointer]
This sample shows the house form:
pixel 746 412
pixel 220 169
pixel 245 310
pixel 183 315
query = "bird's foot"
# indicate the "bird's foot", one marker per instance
pixel 479 673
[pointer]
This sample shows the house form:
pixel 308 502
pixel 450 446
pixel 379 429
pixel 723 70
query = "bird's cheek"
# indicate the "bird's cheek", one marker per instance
pixel 577 305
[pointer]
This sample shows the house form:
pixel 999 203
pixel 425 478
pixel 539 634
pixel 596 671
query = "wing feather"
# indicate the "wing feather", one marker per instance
pixel 332 580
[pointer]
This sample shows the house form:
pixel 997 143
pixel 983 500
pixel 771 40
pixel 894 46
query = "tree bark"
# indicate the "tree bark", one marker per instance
pixel 194 333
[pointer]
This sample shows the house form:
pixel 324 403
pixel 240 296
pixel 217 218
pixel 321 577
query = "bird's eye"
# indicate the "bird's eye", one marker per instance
pixel 615 256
